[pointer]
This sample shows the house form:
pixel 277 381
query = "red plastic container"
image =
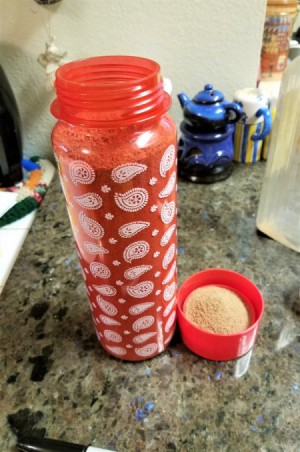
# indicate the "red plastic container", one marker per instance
pixel 220 347
pixel 115 147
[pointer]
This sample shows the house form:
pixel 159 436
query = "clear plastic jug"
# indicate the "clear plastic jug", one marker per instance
pixel 279 207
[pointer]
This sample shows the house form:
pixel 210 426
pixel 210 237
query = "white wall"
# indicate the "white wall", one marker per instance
pixel 195 42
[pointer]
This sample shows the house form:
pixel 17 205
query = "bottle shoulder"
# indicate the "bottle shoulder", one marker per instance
pixel 118 145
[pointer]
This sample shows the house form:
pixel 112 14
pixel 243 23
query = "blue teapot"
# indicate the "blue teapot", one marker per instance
pixel 208 111
pixel 205 147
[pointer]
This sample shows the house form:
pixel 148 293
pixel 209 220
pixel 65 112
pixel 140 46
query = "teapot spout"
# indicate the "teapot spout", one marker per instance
pixel 183 99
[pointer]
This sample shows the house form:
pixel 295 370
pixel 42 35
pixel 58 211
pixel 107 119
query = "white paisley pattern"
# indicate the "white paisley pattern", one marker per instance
pixel 138 225
pixel 124 173
pixel 109 291
pixel 135 272
pixel 170 322
pixel 141 338
pixel 99 270
pixel 170 274
pixel 169 291
pixel 167 235
pixel 81 172
pixel 143 323
pixel 112 336
pixel 136 250
pixel 169 307
pixel 91 201
pixel 169 186
pixel 168 339
pixel 133 200
pixel 139 308
pixel 93 248
pixel 120 351
pixel 130 229
pixel 141 290
pixel 90 226
pixel 107 320
pixel 168 256
pixel 167 160
pixel 147 350
pixel 106 306
pixel 168 212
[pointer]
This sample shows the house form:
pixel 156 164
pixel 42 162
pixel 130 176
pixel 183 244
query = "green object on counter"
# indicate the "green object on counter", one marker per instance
pixel 37 191
pixel 18 211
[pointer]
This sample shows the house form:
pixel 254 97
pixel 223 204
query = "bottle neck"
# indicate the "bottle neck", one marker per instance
pixel 112 91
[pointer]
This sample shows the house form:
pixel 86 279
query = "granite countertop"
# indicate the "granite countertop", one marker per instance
pixel 57 381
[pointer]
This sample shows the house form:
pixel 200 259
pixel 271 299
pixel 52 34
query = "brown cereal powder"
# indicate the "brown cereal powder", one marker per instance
pixel 218 310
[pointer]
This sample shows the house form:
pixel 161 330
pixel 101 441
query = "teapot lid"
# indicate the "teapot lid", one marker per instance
pixel 208 95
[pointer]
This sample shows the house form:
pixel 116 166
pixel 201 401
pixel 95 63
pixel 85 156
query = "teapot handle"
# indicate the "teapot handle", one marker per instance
pixel 236 109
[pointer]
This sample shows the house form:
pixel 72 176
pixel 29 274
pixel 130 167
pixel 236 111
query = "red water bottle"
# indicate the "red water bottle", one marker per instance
pixel 115 147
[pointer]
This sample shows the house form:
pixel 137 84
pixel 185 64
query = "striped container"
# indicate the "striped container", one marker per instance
pixel 267 140
pixel 245 149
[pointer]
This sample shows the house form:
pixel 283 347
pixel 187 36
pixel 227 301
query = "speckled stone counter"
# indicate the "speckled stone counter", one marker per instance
pixel 57 381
